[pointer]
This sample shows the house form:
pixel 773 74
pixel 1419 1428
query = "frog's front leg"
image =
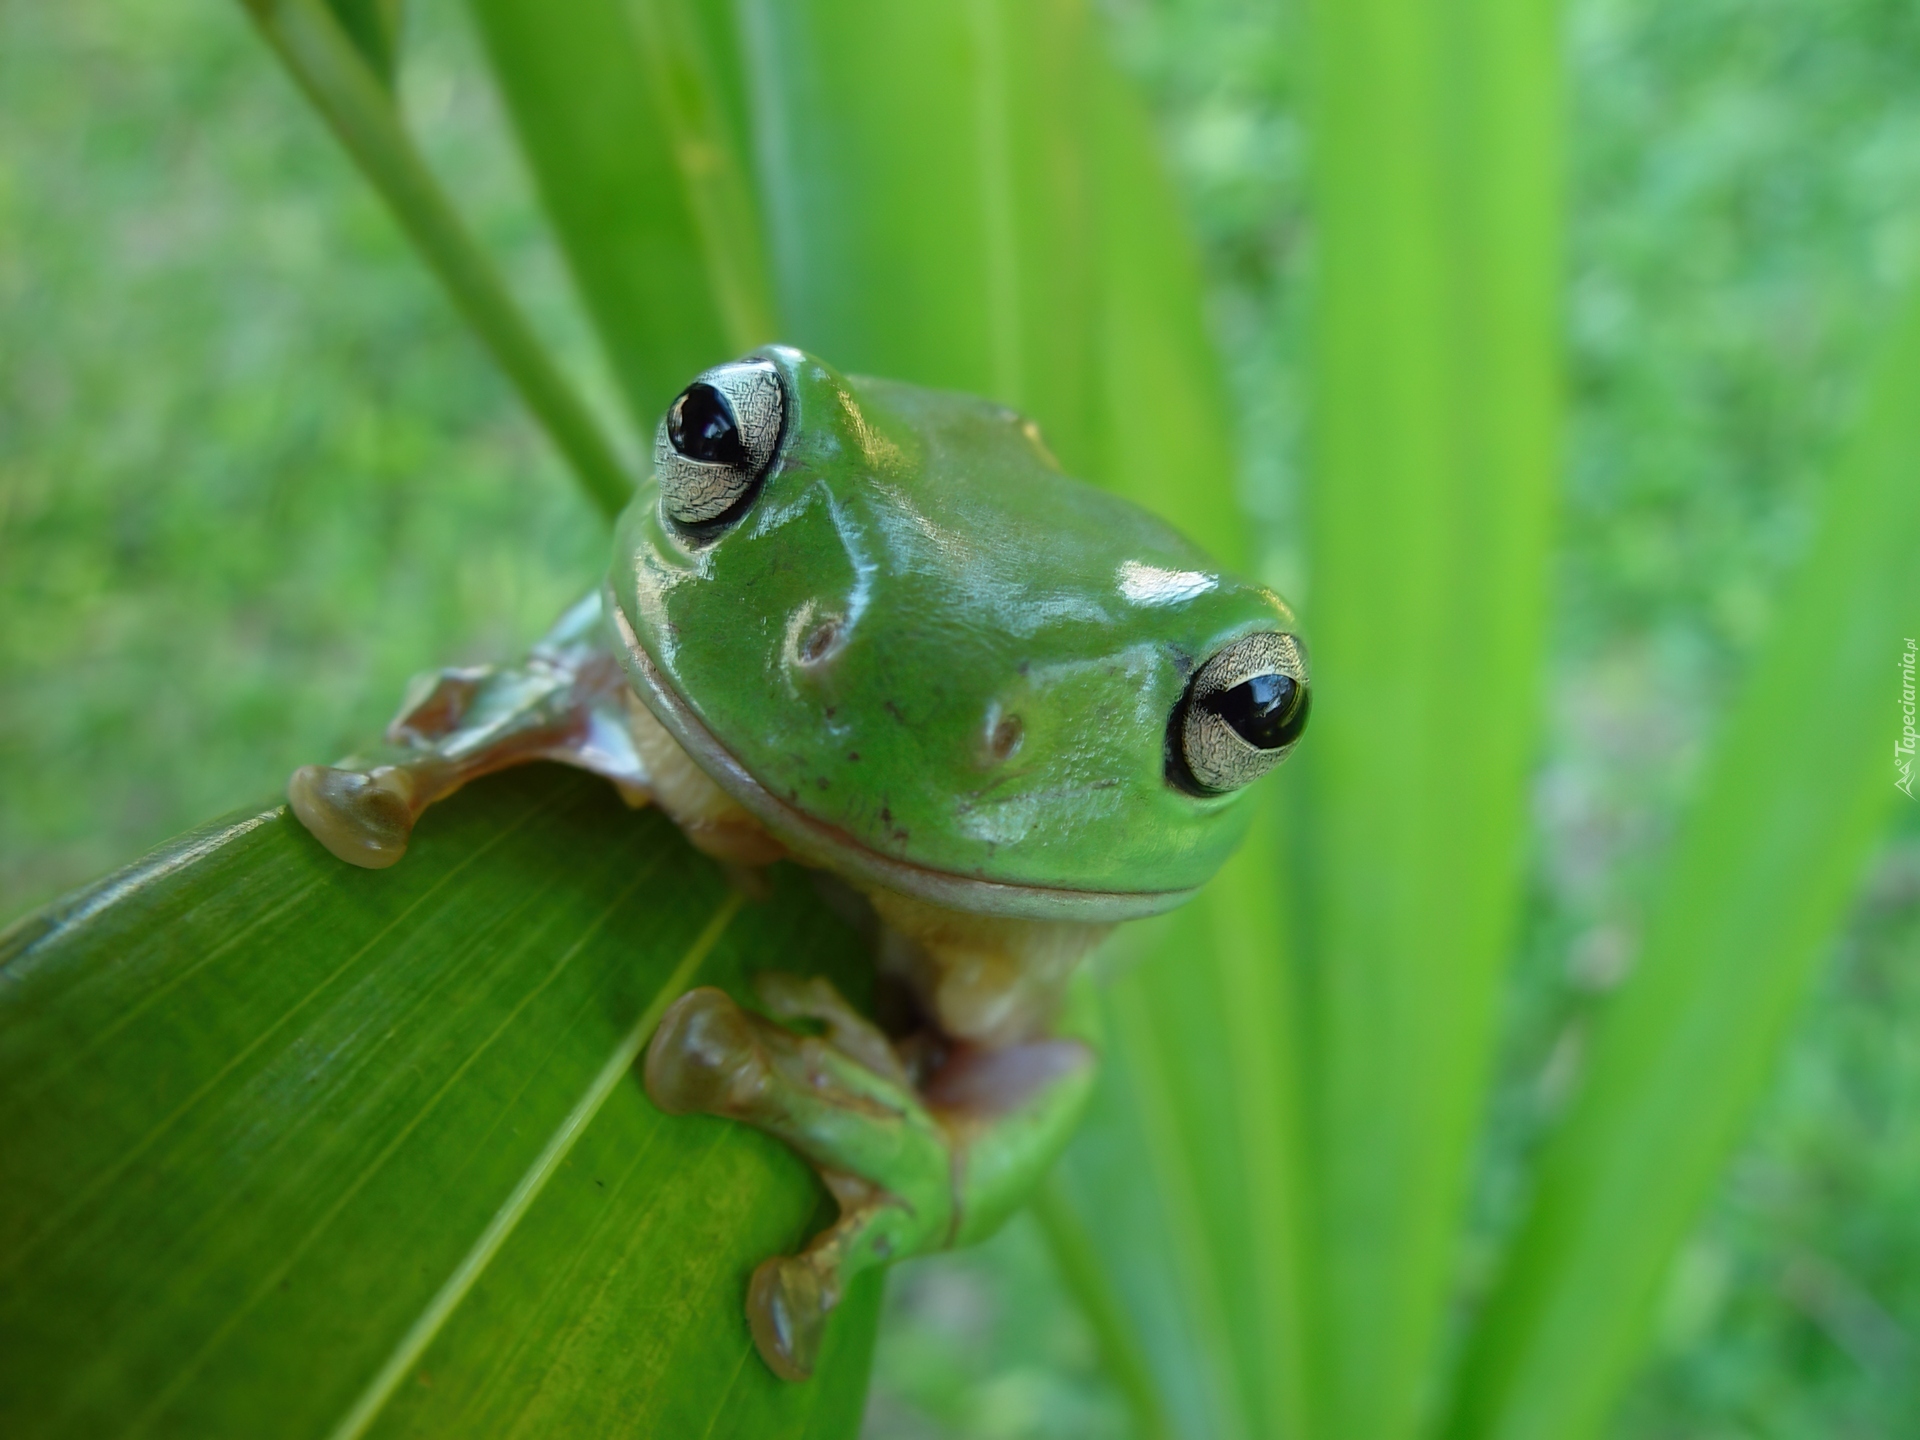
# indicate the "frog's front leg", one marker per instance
pixel 915 1167
pixel 568 700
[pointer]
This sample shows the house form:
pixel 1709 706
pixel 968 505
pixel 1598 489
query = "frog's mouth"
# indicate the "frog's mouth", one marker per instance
pixel 828 845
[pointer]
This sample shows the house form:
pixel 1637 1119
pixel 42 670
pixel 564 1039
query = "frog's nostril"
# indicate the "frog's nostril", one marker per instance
pixel 814 640
pixel 1005 737
pixel 819 641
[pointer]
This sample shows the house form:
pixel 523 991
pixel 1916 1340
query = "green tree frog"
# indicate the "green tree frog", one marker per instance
pixel 874 629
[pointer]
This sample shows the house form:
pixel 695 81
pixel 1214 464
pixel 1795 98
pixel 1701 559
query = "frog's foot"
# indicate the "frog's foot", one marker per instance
pixel 913 1171
pixel 362 816
pixel 881 1152
pixel 791 1296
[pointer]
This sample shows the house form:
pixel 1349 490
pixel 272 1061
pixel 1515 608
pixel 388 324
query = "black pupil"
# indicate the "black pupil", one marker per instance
pixel 1269 710
pixel 701 427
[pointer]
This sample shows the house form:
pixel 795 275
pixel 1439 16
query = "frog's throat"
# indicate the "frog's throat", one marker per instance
pixel 830 846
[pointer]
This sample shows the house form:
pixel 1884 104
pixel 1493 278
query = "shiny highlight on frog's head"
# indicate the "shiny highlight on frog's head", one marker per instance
pixel 887 623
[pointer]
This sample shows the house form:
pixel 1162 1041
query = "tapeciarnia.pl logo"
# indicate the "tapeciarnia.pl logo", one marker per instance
pixel 1903 747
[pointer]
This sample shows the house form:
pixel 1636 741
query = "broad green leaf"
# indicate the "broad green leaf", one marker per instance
pixel 1796 792
pixel 290 1148
pixel 1436 139
pixel 336 76
pixel 1164 435
pixel 620 112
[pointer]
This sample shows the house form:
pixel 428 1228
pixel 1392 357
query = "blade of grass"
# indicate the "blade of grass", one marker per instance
pixel 1203 1022
pixel 926 187
pixel 1164 436
pixel 1202 1119
pixel 1255 955
pixel 338 80
pixel 1209 1048
pixel 374 28
pixel 1205 1043
pixel 936 178
pixel 712 167
pixel 1128 1175
pixel 1796 792
pixel 1087 1280
pixel 618 109
pixel 1436 161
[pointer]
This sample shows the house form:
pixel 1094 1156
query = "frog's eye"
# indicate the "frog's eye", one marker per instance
pixel 1241 714
pixel 717 441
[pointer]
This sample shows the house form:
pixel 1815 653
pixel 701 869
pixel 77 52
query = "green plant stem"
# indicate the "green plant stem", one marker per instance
pixel 1087 1280
pixel 323 59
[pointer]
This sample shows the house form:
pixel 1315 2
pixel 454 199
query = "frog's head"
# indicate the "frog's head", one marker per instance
pixel 886 623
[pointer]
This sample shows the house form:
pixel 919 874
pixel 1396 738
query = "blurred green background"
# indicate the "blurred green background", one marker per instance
pixel 254 472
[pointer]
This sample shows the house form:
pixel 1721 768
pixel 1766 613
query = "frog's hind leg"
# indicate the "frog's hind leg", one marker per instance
pixel 884 1157
pixel 914 1170
pixel 791 1296
pixel 1006 1115
pixel 566 701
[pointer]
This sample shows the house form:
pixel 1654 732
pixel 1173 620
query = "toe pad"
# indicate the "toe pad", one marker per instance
pixel 704 1057
pixel 787 1305
pixel 364 819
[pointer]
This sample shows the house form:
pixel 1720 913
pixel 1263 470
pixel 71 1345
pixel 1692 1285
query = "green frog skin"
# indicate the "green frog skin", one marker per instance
pixel 873 629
